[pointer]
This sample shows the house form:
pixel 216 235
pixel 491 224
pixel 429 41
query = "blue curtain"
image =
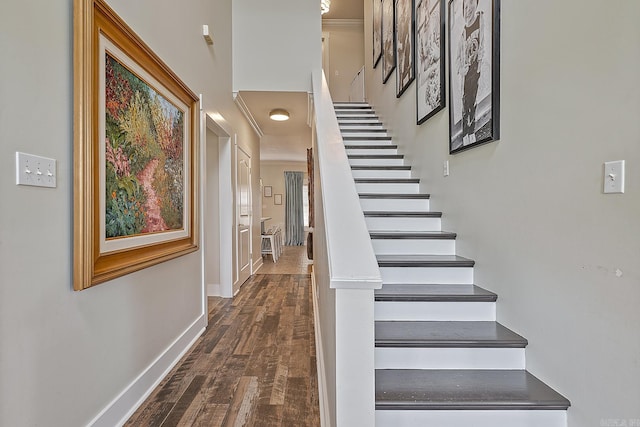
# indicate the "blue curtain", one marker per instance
pixel 293 218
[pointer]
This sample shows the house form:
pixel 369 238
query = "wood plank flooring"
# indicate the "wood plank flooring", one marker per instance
pixel 255 365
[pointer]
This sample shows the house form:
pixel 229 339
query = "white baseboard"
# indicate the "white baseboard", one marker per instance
pixel 256 265
pixel 325 416
pixel 214 290
pixel 125 404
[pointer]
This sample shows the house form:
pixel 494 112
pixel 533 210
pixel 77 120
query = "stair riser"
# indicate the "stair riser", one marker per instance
pixel 435 311
pixel 360 127
pixel 390 188
pixel 351 120
pixel 376 162
pixel 449 358
pixel 394 205
pixel 403 224
pixel 414 246
pixel 427 275
pixel 364 134
pixel 381 173
pixel 371 151
pixel 510 418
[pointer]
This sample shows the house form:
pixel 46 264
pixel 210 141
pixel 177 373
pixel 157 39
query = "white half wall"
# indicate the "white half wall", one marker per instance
pixel 562 256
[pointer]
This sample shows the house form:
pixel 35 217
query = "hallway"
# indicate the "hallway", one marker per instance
pixel 254 365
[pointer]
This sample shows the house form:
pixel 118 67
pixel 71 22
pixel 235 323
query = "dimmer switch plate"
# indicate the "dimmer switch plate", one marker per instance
pixel 614 177
pixel 35 170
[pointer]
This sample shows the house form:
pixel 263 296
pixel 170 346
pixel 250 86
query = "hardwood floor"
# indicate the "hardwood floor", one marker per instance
pixel 255 364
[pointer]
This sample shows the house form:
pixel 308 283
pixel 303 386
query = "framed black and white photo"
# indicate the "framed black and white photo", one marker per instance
pixel 474 73
pixel 406 72
pixel 377 32
pixel 388 48
pixel 430 57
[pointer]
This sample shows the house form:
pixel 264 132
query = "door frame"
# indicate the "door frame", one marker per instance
pixel 238 283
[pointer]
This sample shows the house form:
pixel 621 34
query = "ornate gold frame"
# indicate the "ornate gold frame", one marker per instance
pixel 91 266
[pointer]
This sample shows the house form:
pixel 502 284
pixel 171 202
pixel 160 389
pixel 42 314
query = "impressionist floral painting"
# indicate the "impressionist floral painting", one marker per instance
pixel 144 156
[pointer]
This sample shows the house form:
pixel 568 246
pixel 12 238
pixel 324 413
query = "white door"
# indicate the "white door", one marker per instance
pixel 243 212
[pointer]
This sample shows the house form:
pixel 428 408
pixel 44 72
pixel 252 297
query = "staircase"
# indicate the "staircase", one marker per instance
pixel 441 358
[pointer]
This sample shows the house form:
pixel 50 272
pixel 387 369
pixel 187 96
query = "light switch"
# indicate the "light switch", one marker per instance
pixel 35 170
pixel 445 168
pixel 614 177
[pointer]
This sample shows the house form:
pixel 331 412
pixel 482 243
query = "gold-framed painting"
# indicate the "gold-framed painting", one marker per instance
pixel 135 152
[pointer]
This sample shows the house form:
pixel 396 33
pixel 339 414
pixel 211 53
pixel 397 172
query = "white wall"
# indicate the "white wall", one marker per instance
pixel 346 55
pixel 66 355
pixel 272 174
pixel 211 218
pixel 529 208
pixel 276 44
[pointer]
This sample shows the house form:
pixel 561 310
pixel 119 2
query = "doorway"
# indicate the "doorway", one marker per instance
pixel 243 217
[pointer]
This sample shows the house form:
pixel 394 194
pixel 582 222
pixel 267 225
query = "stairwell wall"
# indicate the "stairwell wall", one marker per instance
pixel 561 255
pixel 65 355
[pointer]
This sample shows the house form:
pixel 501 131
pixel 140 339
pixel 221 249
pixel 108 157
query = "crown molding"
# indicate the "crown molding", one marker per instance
pixel 247 113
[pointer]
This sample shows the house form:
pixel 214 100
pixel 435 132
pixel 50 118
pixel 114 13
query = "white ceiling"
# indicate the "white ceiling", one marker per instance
pixel 345 9
pixel 284 141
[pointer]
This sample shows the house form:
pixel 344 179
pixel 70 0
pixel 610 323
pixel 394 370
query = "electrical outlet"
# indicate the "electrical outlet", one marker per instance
pixel 35 170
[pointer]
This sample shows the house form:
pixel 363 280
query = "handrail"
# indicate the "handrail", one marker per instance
pixel 352 262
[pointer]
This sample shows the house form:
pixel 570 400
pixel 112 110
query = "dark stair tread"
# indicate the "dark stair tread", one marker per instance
pixel 352 117
pixel 402 214
pixel 394 196
pixel 414 389
pixel 362 130
pixel 375 156
pixel 380 167
pixel 412 235
pixel 434 293
pixel 414 334
pixel 387 180
pixel 395 260
pixel 371 147
pixel 366 125
pixel 366 138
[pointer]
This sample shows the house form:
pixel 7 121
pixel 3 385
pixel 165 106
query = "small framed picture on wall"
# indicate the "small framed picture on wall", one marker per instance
pixel 268 191
pixel 277 199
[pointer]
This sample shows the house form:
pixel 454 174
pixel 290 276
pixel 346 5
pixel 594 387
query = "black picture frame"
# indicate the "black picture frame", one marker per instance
pixel 474 74
pixel 404 45
pixel 430 32
pixel 377 32
pixel 388 40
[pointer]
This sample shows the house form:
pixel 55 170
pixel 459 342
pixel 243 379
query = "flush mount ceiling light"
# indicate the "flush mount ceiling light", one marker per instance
pixel 279 115
pixel 324 6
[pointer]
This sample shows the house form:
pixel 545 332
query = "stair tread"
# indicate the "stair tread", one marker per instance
pixel 438 293
pixel 403 214
pixel 394 196
pixel 375 156
pixel 464 389
pixel 380 167
pixel 371 147
pixel 446 334
pixel 363 130
pixel 387 180
pixel 415 260
pixel 394 234
pixel 366 138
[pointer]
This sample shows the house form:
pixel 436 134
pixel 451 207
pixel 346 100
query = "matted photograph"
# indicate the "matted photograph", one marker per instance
pixel 474 67
pixel 388 48
pixel 430 57
pixel 377 32
pixel 405 73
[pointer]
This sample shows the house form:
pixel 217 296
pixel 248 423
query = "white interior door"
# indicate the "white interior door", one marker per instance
pixel 243 212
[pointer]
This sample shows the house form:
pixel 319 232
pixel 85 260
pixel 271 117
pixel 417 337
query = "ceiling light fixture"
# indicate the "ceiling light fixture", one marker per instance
pixel 279 115
pixel 324 6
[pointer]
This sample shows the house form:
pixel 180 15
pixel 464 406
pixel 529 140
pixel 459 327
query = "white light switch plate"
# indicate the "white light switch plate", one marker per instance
pixel 614 177
pixel 445 168
pixel 35 170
